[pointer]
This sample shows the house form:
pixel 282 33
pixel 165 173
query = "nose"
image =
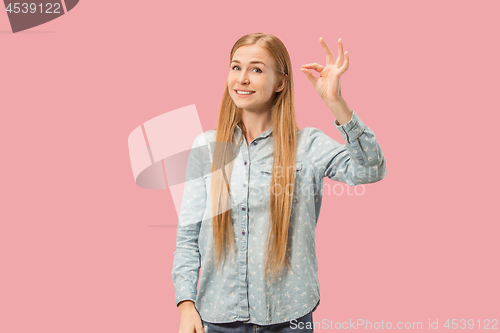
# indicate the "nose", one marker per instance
pixel 242 79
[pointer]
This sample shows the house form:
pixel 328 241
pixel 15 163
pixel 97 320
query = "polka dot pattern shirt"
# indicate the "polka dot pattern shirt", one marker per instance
pixel 239 291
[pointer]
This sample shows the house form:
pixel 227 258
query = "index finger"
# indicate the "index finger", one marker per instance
pixel 330 59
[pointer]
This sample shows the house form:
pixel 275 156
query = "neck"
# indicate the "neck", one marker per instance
pixel 255 123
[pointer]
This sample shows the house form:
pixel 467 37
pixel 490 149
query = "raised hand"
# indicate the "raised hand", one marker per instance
pixel 328 84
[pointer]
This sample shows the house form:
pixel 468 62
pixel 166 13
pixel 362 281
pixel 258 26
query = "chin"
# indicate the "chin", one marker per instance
pixel 239 104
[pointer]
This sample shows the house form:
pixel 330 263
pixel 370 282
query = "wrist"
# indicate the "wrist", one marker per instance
pixel 340 109
pixel 335 101
pixel 186 304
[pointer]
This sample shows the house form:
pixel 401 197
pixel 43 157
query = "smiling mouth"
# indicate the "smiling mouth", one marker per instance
pixel 244 92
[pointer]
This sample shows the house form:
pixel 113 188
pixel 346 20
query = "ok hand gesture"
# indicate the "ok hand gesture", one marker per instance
pixel 328 84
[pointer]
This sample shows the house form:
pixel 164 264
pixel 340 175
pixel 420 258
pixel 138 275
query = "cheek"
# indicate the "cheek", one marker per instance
pixel 269 89
pixel 262 87
pixel 230 79
pixel 230 84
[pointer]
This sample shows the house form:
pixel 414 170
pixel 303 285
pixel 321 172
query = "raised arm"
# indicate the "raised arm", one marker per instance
pixel 359 161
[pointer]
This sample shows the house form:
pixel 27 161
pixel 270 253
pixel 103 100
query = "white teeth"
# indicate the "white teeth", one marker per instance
pixel 244 92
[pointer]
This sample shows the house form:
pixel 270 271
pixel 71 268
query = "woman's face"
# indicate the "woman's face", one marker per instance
pixel 252 70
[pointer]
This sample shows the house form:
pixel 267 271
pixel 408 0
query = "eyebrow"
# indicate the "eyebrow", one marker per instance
pixel 252 62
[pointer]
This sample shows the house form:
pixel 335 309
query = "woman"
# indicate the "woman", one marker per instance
pixel 253 195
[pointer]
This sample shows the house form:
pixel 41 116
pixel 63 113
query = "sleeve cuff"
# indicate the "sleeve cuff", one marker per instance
pixel 185 299
pixel 353 129
pixel 185 290
pixel 185 295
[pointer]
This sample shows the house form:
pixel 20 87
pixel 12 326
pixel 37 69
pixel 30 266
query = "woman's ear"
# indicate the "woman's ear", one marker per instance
pixel 282 83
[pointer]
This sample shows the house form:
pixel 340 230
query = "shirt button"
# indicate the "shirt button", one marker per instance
pixel 255 143
pixel 245 162
pixel 243 233
pixel 244 185
pixel 243 208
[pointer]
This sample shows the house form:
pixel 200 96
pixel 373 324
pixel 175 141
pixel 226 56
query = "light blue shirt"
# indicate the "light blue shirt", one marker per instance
pixel 240 291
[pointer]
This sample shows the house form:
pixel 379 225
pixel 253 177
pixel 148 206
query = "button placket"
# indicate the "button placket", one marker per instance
pixel 245 214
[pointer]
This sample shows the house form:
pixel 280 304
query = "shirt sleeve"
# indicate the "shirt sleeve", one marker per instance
pixel 359 161
pixel 186 265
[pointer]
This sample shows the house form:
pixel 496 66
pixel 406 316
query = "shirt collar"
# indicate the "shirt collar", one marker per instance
pixel 262 135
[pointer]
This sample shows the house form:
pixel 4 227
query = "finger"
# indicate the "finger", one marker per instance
pixel 199 329
pixel 345 65
pixel 340 58
pixel 317 67
pixel 310 76
pixel 330 59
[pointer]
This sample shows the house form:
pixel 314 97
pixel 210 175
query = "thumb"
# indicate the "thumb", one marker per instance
pixel 310 76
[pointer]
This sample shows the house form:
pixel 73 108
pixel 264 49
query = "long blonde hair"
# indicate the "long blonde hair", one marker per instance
pixel 284 134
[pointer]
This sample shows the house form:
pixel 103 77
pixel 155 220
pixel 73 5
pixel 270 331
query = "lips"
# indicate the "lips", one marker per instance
pixel 244 95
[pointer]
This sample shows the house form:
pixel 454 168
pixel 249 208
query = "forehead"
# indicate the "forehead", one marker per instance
pixel 249 53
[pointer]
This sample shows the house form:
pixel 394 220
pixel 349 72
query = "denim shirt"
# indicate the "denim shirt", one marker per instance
pixel 239 292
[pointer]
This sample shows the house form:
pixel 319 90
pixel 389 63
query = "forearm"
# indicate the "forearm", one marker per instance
pixel 340 110
pixel 360 160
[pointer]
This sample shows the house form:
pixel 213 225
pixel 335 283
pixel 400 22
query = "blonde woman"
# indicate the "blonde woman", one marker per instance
pixel 253 195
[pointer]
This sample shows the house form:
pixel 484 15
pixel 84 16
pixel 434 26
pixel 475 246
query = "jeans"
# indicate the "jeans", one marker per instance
pixel 303 324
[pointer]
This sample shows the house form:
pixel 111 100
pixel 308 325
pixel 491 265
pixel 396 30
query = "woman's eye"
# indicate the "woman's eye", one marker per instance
pixel 259 70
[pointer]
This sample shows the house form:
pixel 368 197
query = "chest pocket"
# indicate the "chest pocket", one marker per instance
pixel 266 170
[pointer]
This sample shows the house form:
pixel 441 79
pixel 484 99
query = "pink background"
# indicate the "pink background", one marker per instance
pixel 84 249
